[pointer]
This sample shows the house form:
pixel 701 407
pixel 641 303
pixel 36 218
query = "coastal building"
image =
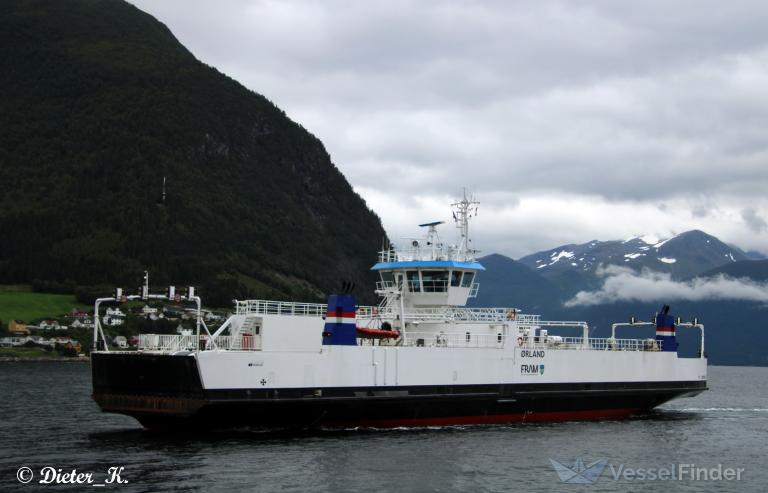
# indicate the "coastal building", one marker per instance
pixel 49 325
pixel 85 323
pixel 66 342
pixel 148 310
pixel 113 317
pixel 18 328
pixel 121 342
pixel 75 313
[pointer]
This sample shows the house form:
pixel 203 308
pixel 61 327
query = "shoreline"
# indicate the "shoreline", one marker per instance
pixel 15 359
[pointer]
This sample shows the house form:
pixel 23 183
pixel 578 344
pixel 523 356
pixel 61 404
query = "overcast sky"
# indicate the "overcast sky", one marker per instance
pixel 569 121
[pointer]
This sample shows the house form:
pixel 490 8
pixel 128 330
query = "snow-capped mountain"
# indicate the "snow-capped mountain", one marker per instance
pixel 540 283
pixel 684 255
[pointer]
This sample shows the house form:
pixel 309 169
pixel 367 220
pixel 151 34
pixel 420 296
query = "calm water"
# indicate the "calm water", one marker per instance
pixel 48 419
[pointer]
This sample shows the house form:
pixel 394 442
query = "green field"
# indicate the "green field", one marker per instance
pixel 27 353
pixel 20 303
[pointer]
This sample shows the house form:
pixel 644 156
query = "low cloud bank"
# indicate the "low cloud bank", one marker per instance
pixel 624 284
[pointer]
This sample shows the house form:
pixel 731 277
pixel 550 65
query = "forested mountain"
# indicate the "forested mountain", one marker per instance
pixel 99 103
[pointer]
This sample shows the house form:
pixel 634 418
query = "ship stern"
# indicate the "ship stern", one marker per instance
pixel 162 391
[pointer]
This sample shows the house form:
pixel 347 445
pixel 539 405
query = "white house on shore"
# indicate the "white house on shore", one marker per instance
pixel 114 316
pixel 121 342
pixel 50 325
pixel 85 323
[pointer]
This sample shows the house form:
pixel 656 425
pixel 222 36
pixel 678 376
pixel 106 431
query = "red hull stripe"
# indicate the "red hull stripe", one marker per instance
pixel 550 416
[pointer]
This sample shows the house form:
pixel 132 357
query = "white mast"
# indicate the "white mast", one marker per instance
pixel 462 211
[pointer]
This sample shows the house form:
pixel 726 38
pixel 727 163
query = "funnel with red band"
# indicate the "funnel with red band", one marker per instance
pixel 665 330
pixel 340 321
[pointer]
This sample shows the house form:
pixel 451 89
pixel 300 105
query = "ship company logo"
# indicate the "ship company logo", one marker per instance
pixel 579 473
pixel 532 369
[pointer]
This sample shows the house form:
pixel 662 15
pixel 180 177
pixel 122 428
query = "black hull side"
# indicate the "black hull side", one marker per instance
pixel 147 384
pixel 173 400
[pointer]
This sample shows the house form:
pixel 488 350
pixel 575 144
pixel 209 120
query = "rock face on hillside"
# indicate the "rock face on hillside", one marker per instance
pixel 100 103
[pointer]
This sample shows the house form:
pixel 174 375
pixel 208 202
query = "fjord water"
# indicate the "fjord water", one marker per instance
pixel 47 418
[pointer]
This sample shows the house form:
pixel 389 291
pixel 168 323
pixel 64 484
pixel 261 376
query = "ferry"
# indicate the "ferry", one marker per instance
pixel 420 357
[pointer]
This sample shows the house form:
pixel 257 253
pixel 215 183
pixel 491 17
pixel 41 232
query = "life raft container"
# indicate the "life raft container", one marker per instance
pixel 377 333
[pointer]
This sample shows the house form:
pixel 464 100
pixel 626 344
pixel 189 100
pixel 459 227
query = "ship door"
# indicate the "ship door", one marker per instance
pixel 383 370
pixel 250 333
pixel 257 336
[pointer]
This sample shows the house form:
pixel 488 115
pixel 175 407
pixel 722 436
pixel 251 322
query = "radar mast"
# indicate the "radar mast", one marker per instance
pixel 462 211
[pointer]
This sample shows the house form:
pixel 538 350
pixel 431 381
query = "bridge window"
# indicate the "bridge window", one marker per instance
pixel 456 278
pixel 468 278
pixel 414 285
pixel 387 277
pixel 434 281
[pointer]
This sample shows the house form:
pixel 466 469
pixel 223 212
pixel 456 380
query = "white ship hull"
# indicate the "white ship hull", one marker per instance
pixel 385 386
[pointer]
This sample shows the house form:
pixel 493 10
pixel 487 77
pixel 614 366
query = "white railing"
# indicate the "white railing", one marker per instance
pixel 170 343
pixel 609 344
pixel 425 253
pixel 289 308
pixel 167 343
pixel 551 342
pixel 386 286
pixel 267 307
pixel 453 340
pixel 459 314
pixel 229 343
pixel 464 340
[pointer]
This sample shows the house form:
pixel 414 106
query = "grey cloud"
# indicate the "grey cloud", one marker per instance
pixel 639 103
pixel 754 221
pixel 624 284
pixel 606 98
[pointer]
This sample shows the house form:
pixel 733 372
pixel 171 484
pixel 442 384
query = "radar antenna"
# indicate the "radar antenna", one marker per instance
pixel 433 240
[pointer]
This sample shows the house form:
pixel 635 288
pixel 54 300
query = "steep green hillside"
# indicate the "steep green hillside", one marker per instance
pixel 100 102
pixel 19 303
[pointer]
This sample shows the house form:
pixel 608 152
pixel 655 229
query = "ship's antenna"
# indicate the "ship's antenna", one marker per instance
pixel 145 286
pixel 462 211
